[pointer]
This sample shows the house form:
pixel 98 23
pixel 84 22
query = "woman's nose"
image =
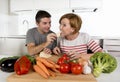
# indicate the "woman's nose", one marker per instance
pixel 60 27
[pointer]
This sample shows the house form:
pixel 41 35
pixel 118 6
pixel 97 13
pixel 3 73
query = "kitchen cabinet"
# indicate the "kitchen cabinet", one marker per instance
pixel 112 46
pixel 51 4
pixel 85 3
pixel 21 5
pixel 29 5
pixel 12 46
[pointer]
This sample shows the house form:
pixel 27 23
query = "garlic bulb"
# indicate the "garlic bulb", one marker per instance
pixel 86 69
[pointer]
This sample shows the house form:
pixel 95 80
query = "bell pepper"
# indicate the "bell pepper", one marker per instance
pixel 22 65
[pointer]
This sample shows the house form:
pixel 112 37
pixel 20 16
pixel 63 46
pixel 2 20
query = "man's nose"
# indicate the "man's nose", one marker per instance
pixel 48 25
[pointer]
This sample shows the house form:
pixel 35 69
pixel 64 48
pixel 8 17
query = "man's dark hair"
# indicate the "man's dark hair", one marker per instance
pixel 41 14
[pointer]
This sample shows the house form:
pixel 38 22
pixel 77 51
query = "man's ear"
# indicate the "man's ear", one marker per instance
pixel 37 23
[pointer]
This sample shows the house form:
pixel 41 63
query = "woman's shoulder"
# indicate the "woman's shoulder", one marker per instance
pixel 83 34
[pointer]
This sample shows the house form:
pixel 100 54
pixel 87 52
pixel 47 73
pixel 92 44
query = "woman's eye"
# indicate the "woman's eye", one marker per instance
pixel 63 25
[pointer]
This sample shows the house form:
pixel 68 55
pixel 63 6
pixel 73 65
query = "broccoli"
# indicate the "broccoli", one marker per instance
pixel 103 63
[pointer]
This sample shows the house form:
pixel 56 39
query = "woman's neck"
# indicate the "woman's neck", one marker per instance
pixel 72 36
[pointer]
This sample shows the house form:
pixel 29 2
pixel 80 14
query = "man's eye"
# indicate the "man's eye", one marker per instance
pixel 44 23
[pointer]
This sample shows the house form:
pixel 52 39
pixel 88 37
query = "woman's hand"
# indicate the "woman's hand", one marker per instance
pixel 73 54
pixel 47 51
pixel 56 51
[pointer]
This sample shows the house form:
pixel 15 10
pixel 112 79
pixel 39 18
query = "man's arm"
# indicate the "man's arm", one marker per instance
pixel 32 49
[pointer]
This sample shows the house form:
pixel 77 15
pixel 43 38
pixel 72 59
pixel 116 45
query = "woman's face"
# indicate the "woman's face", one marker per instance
pixel 65 28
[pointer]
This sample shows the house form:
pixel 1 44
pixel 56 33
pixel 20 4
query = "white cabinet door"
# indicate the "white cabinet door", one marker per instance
pixel 85 3
pixel 112 46
pixel 21 5
pixel 48 4
pixel 12 46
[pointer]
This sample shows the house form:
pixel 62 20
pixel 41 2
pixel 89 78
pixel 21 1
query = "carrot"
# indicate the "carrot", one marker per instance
pixel 40 71
pixel 56 65
pixel 50 61
pixel 55 70
pixel 52 73
pixel 42 66
pixel 45 62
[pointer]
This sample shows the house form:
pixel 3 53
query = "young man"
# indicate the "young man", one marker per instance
pixel 41 38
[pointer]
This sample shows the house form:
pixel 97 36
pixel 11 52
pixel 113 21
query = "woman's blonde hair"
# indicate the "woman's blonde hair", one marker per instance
pixel 75 21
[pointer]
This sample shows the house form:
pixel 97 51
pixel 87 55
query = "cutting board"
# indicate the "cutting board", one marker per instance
pixel 35 77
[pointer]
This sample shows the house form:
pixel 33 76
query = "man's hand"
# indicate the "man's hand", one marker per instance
pixel 51 37
pixel 47 51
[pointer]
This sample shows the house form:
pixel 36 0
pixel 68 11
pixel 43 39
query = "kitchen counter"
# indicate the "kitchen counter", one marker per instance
pixel 15 36
pixel 112 77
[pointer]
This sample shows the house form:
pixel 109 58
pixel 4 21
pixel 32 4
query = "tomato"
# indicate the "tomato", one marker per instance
pixel 72 62
pixel 60 61
pixel 76 69
pixel 65 57
pixel 64 68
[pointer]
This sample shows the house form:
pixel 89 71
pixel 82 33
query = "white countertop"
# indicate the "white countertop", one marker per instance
pixel 112 77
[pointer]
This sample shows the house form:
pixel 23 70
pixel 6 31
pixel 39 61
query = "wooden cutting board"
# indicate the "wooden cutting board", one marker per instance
pixel 34 77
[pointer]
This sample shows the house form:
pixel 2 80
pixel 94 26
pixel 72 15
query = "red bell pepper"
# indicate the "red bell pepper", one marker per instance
pixel 22 65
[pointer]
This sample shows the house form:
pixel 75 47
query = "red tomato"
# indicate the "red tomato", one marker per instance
pixel 73 62
pixel 60 61
pixel 64 68
pixel 76 69
pixel 65 57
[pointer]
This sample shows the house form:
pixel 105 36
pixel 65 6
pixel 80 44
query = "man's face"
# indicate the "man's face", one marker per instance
pixel 44 25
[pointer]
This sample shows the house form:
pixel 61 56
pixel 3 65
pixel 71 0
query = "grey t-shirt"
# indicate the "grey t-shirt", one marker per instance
pixel 33 36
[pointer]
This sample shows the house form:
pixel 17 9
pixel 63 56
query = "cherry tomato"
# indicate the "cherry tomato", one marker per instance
pixel 73 62
pixel 60 61
pixel 64 68
pixel 76 69
pixel 65 57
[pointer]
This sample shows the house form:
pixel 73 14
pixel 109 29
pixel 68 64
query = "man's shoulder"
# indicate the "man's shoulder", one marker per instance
pixel 32 29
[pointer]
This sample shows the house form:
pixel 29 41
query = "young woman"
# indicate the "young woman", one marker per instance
pixel 73 42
